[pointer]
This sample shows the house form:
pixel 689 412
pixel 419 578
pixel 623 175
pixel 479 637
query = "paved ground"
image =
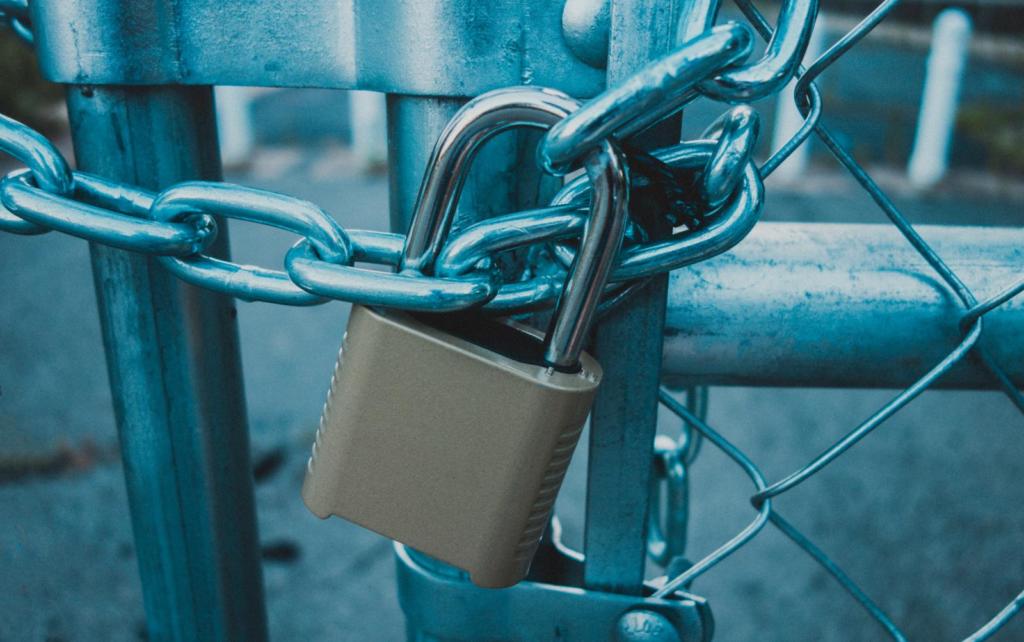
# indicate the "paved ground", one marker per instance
pixel 925 514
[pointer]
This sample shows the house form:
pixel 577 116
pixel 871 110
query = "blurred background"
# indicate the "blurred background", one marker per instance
pixel 925 514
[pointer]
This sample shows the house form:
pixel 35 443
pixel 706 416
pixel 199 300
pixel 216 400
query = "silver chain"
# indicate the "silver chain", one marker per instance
pixel 718 181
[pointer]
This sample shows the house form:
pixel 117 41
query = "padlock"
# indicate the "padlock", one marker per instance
pixel 452 433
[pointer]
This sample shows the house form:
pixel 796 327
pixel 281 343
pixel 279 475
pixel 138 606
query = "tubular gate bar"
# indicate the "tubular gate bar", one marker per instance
pixel 142 113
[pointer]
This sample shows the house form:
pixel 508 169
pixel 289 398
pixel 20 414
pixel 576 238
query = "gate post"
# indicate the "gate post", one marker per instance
pixel 176 379
pixel 628 346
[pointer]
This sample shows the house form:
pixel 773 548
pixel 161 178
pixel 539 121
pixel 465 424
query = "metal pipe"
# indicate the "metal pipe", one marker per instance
pixel 628 345
pixel 176 378
pixel 841 305
pixel 413 123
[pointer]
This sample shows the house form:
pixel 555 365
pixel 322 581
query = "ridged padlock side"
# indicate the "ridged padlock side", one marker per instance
pixel 321 429
pixel 551 482
pixel 444 445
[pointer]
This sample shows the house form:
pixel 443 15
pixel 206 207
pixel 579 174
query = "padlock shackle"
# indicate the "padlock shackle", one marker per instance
pixel 596 257
pixel 478 121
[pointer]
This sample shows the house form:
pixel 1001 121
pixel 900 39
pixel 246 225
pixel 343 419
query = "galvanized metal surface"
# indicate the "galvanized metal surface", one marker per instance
pixel 175 375
pixel 628 345
pixel 473 47
pixel 439 607
pixel 844 305
pixel 585 25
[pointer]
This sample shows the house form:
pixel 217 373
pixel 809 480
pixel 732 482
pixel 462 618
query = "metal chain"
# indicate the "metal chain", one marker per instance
pixel 712 184
pixel 15 14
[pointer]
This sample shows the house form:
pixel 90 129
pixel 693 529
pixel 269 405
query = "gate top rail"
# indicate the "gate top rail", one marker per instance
pixel 316 43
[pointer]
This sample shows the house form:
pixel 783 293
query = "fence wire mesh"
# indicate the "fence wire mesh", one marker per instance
pixel 808 100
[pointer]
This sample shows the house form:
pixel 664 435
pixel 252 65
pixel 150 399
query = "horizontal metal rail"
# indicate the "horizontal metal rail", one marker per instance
pixel 836 305
pixel 426 47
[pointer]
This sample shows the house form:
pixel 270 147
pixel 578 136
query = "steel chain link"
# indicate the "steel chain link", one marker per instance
pixel 15 14
pixel 721 187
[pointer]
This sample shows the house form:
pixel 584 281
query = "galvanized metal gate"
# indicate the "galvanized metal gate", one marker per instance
pixel 141 111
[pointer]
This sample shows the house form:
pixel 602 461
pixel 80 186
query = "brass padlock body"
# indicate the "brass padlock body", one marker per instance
pixel 448 446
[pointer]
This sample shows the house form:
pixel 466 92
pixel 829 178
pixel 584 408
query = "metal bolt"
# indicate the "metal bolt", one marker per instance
pixel 585 26
pixel 645 626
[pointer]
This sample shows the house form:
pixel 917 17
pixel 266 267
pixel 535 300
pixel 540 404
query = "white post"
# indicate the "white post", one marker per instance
pixel 951 36
pixel 369 129
pixel 234 124
pixel 788 119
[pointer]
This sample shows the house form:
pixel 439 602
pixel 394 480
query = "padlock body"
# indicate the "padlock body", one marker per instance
pixel 448 446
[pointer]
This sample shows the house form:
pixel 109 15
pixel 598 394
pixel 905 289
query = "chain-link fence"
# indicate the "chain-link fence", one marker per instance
pixel 809 101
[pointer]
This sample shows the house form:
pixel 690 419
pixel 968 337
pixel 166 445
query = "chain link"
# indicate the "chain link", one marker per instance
pixel 185 201
pixel 42 158
pixel 653 93
pixel 15 14
pixel 120 227
pixel 712 184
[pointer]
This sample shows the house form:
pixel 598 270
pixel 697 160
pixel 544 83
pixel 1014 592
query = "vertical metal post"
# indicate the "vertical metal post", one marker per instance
pixel 176 377
pixel 504 175
pixel 414 123
pixel 628 346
